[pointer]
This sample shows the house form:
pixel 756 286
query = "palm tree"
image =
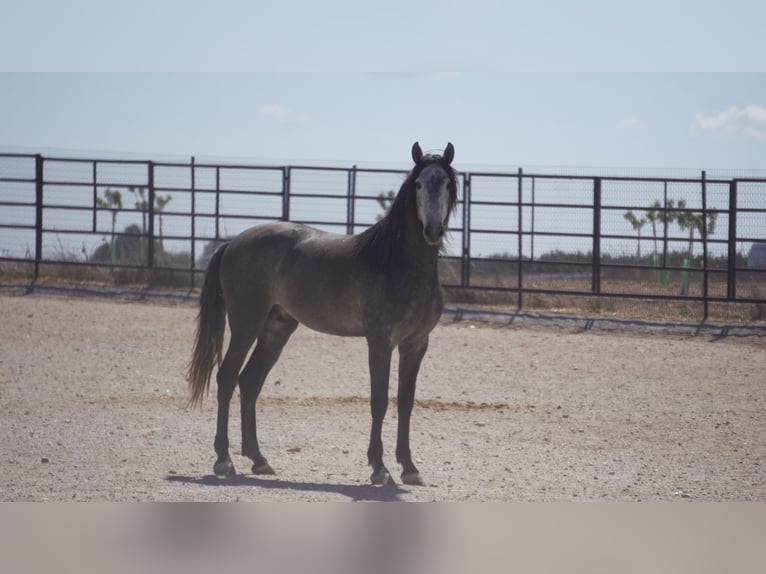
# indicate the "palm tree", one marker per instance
pixel 637 225
pixel 112 201
pixel 695 221
pixel 142 205
pixel 691 220
pixel 685 221
pixel 655 214
pixel 667 216
pixel 160 201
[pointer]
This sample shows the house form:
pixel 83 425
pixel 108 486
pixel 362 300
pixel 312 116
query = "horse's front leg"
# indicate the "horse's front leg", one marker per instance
pixel 410 356
pixel 380 368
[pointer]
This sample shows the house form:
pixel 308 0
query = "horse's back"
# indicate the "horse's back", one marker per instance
pixel 275 233
pixel 254 256
pixel 275 248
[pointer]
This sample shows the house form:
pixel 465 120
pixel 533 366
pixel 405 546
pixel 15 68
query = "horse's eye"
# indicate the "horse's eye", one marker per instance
pixel 418 185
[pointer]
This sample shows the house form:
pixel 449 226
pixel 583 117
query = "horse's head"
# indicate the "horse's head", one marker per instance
pixel 435 191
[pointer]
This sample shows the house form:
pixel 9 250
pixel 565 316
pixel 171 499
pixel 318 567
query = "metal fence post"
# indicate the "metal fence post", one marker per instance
pixel 286 193
pixel 731 279
pixel 520 266
pixel 665 221
pixel 351 196
pixel 704 248
pixel 38 215
pixel 94 175
pixel 193 247
pixel 465 275
pixel 596 279
pixel 150 207
pixel 218 202
pixel 532 225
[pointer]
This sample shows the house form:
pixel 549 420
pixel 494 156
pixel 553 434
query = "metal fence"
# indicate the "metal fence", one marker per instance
pixel 693 238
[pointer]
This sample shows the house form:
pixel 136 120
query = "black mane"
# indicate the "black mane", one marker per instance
pixel 378 242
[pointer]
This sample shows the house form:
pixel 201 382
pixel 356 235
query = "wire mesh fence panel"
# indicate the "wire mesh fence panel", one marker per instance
pixel 318 210
pixel 374 192
pixel 306 181
pixel 751 219
pixel 680 237
pixel 257 208
pixel 17 166
pixel 122 174
pixel 17 216
pixel 206 177
pixel 249 180
pixel 69 171
pixel 173 176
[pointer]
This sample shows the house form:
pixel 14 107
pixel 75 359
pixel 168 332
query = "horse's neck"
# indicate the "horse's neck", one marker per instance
pixel 417 258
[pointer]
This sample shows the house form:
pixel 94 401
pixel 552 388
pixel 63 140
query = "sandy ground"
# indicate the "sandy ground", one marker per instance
pixel 92 408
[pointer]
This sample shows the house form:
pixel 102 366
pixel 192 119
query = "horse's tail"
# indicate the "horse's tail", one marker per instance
pixel 211 322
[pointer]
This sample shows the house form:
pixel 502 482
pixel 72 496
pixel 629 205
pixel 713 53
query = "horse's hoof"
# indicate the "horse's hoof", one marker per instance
pixel 263 468
pixel 225 468
pixel 413 478
pixel 382 478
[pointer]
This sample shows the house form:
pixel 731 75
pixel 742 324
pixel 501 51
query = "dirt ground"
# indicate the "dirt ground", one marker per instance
pixel 92 408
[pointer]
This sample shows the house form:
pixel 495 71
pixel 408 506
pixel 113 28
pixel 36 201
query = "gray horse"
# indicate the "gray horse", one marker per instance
pixel 382 284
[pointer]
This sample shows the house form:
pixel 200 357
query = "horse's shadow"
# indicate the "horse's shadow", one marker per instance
pixel 355 492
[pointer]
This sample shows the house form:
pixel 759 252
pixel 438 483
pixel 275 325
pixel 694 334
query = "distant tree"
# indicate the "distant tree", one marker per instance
pixel 655 215
pixel 637 225
pixel 160 201
pixel 142 205
pixel 386 200
pixel 112 201
pixel 692 221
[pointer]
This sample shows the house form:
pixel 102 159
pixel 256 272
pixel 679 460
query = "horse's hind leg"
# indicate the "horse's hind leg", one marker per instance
pixel 227 380
pixel 271 341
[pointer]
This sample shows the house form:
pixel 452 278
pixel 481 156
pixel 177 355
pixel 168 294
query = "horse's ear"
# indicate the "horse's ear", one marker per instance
pixel 417 153
pixel 449 153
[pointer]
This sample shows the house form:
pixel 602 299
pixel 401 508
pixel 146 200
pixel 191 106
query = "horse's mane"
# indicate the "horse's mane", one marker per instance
pixel 378 242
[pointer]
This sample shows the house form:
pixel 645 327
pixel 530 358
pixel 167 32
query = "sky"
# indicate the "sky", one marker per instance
pixel 493 118
pixel 588 84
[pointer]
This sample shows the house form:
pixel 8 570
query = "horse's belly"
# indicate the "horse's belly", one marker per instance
pixel 321 287
pixel 335 309
pixel 328 319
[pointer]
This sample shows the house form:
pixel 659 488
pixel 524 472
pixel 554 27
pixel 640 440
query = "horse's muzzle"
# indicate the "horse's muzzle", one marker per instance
pixel 433 234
